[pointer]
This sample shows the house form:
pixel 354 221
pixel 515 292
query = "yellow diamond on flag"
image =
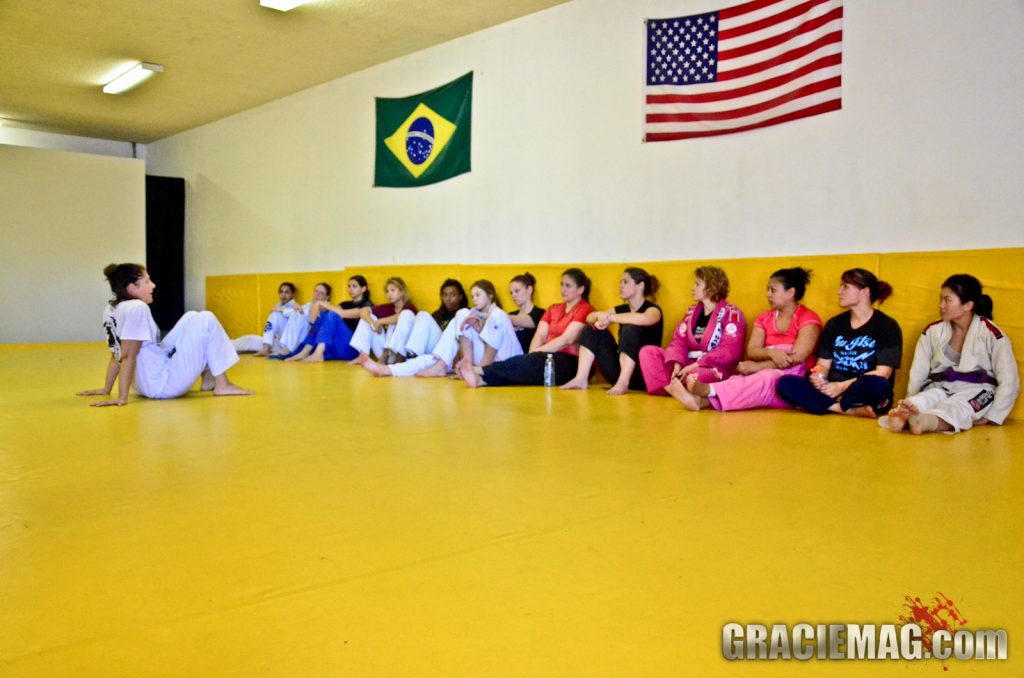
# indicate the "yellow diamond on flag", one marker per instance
pixel 420 139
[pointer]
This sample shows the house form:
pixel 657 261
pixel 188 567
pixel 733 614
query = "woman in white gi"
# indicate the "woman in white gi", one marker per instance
pixel 428 327
pixel 196 346
pixel 964 373
pixel 299 324
pixel 273 331
pixel 483 334
pixel 379 331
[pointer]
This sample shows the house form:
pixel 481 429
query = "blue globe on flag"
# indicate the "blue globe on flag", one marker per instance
pixel 419 141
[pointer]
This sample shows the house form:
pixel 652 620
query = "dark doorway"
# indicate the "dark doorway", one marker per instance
pixel 165 247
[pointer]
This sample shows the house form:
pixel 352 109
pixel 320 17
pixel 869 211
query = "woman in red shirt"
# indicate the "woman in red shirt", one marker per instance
pixel 558 334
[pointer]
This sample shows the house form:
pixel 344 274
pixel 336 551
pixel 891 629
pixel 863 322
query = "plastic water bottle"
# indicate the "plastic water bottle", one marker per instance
pixel 549 370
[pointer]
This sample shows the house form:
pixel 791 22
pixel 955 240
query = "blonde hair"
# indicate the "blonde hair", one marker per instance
pixel 400 284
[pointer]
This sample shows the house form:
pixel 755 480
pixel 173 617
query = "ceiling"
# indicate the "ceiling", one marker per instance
pixel 219 56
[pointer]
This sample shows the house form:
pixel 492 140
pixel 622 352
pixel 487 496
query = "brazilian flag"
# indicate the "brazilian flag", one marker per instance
pixel 424 139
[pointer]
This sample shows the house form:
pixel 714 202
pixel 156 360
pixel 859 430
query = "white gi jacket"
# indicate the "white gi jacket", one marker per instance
pixel 987 357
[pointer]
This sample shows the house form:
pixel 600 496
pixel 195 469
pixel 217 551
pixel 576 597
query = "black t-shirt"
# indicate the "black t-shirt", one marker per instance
pixel 853 352
pixel 651 333
pixel 702 323
pixel 443 316
pixel 525 334
pixel 352 322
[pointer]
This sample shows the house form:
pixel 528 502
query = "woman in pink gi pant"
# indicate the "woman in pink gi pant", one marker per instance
pixel 707 343
pixel 782 342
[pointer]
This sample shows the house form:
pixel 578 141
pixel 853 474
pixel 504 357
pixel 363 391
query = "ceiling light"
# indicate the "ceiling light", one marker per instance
pixel 282 5
pixel 132 77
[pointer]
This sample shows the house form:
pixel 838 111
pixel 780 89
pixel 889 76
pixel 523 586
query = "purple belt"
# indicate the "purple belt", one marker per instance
pixel 975 377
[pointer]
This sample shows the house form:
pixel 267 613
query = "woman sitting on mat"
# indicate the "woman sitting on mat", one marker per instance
pixel 558 334
pixel 640 324
pixel 964 373
pixel 483 335
pixel 273 337
pixel 378 332
pixel 782 342
pixel 427 327
pixel 526 317
pixel 858 355
pixel 331 332
pixel 196 346
pixel 708 342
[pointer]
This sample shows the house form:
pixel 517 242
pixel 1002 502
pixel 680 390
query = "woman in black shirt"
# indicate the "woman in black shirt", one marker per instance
pixel 640 324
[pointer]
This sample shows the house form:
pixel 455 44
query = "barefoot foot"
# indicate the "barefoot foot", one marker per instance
pixel 438 369
pixel 470 376
pixel 923 423
pixel 864 411
pixel 898 415
pixel 575 383
pixel 679 392
pixel 230 389
pixel 697 388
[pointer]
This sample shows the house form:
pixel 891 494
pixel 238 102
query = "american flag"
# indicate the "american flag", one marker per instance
pixel 753 65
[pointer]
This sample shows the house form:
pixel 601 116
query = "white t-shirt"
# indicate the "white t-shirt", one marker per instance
pixel 132 320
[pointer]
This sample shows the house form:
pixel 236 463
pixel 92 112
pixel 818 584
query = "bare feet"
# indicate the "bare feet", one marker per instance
pixel 301 355
pixel 864 411
pixel 697 387
pixel 470 376
pixel 209 383
pixel 618 389
pixel 575 383
pixel 898 415
pixel 438 369
pixel 923 423
pixel 230 389
pixel 377 370
pixel 676 389
pixel 313 359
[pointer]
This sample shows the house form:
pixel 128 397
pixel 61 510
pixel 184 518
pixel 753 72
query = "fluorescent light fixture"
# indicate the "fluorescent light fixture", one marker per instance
pixel 282 5
pixel 132 77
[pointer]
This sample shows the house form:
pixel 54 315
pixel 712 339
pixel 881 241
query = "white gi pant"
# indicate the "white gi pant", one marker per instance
pixel 394 337
pixel 195 343
pixel 954 402
pixel 282 332
pixel 424 335
pixel 248 343
pixel 295 330
pixel 497 333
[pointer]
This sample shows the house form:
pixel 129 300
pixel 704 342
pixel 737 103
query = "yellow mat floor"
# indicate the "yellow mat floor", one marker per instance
pixel 338 525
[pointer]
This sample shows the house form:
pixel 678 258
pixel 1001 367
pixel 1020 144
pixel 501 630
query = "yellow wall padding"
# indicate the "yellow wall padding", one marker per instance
pixel 242 302
pixel 236 301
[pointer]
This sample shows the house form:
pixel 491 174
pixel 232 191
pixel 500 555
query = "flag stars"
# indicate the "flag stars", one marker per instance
pixel 680 50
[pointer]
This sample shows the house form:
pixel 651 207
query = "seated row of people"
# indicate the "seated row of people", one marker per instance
pixel 964 372
pixel 846 366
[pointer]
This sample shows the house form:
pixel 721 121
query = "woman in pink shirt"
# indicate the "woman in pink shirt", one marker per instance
pixel 558 334
pixel 782 342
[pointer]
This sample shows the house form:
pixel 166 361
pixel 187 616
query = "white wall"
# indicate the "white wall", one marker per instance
pixel 15 136
pixel 63 217
pixel 925 155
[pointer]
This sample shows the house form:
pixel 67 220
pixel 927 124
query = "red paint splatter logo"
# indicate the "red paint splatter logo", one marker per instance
pixel 941 614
